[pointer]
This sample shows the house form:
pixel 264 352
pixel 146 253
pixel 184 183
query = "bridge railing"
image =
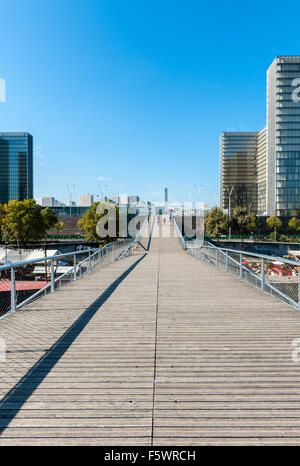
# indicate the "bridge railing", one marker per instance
pixel 178 231
pixel 130 247
pixel 274 275
pixel 23 282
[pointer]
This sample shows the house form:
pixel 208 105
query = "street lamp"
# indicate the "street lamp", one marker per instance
pixel 70 192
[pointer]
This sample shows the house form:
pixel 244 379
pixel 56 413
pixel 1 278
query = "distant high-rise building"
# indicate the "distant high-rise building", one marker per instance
pixel 243 170
pixel 48 202
pixel 166 195
pixel 238 170
pixel 86 200
pixel 16 167
pixel 283 141
pixel 51 202
pixel 263 168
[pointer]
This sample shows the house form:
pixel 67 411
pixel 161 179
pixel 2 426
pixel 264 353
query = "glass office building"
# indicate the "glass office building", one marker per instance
pixel 238 170
pixel 16 167
pixel 283 123
pixel 268 176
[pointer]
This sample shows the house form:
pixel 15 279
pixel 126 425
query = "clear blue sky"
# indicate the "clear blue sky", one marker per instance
pixel 135 91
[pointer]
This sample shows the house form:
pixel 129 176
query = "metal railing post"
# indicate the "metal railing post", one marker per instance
pixel 209 260
pixel 107 256
pixel 12 290
pixel 52 276
pixel 226 261
pixel 217 258
pixel 113 254
pixel 263 281
pixel 241 266
pixel 100 258
pixel 74 261
pixel 90 263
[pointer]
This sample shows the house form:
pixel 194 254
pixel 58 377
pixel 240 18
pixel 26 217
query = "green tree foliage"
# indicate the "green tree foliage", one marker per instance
pixel 2 215
pixel 294 225
pixel 49 218
pixel 253 223
pixel 88 222
pixel 59 226
pixel 240 220
pixel 274 222
pixel 25 221
pixel 215 222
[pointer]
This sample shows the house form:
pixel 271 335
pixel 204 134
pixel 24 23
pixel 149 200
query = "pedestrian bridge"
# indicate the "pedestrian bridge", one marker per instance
pixel 158 348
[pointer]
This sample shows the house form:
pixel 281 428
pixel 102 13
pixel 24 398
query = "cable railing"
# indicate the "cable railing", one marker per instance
pixel 274 275
pixel 23 282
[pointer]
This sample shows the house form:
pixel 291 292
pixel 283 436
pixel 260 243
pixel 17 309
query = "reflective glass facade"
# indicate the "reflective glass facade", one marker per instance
pixel 283 115
pixel 16 166
pixel 242 158
pixel 268 176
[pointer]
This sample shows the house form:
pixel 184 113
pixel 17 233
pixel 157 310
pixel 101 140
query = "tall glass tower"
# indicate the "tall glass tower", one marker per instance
pixel 283 136
pixel 16 167
pixel 238 170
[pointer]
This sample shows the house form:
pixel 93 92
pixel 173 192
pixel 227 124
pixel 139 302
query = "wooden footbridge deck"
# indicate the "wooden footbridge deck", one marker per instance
pixel 158 348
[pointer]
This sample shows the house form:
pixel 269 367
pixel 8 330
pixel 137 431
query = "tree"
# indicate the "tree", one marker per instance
pixel 216 222
pixel 23 221
pixel 240 220
pixel 253 223
pixel 2 215
pixel 59 226
pixel 88 222
pixel 49 218
pixel 274 222
pixel 294 225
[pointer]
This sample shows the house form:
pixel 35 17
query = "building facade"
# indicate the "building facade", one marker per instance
pixel 238 170
pixel 16 167
pixel 49 202
pixel 263 168
pixel 86 200
pixel 283 142
pixel 261 171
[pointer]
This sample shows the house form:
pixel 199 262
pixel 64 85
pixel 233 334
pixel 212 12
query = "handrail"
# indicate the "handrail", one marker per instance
pixel 261 278
pixel 254 254
pixel 111 251
pixel 136 240
pixel 59 256
pixel 182 240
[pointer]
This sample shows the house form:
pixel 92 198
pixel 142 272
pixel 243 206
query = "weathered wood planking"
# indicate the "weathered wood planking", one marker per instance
pixel 174 352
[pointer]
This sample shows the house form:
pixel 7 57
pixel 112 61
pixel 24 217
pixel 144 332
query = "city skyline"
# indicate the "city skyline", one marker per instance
pixel 157 104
